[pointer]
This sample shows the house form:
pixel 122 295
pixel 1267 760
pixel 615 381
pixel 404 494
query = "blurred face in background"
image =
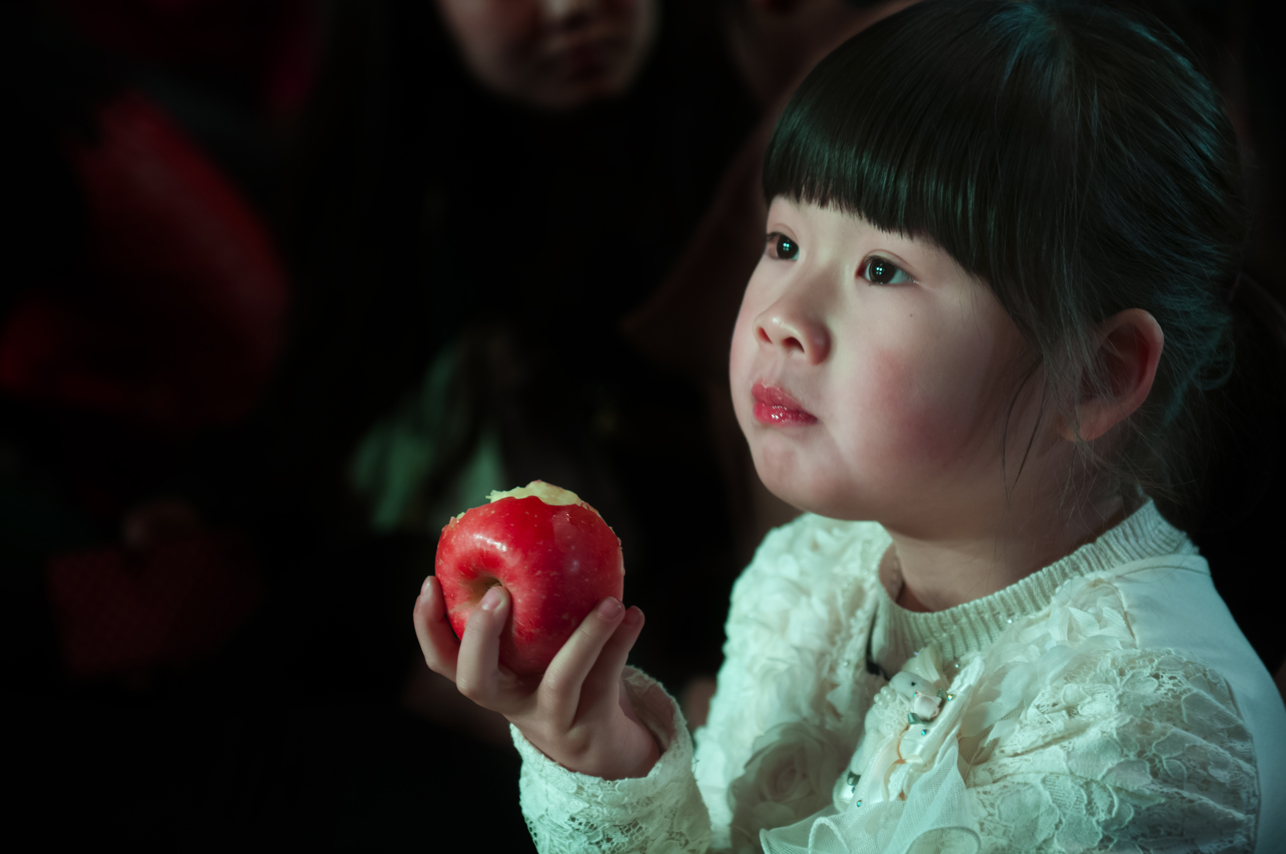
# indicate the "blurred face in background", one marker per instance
pixel 776 42
pixel 553 54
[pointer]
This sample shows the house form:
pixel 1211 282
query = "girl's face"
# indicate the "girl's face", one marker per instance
pixel 871 374
pixel 552 54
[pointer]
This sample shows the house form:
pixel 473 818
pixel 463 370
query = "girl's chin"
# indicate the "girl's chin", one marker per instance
pixel 792 490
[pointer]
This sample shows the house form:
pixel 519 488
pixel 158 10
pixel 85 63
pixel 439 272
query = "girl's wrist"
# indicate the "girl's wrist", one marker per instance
pixel 650 756
pixel 631 756
pixel 640 754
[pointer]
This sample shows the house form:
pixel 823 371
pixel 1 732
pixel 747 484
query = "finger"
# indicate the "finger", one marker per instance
pixel 560 689
pixel 478 666
pixel 601 688
pixel 437 640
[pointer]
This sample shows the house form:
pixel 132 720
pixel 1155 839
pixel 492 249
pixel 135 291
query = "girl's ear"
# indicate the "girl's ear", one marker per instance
pixel 1130 344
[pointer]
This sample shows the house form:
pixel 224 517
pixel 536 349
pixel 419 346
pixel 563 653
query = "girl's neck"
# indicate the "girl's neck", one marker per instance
pixel 933 574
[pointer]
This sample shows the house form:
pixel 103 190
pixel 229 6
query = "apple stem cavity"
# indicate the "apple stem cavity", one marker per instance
pixel 484 582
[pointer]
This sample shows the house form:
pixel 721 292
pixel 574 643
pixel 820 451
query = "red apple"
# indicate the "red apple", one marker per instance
pixel 551 551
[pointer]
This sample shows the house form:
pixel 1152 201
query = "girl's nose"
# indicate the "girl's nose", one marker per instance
pixel 795 331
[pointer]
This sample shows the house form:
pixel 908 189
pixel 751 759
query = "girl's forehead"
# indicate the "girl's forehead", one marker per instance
pixel 827 223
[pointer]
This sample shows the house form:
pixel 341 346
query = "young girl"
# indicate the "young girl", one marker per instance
pixel 1000 242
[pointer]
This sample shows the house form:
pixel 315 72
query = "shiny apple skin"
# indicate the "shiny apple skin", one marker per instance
pixel 556 561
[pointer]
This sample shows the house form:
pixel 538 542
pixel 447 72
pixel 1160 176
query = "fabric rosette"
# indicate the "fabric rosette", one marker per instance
pixel 789 776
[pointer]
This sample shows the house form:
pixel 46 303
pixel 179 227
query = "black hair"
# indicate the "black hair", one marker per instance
pixel 1070 156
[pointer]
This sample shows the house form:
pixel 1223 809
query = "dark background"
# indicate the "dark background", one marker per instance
pixel 237 233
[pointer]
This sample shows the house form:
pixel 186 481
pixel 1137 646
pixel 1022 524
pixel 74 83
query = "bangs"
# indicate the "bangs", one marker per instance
pixel 933 123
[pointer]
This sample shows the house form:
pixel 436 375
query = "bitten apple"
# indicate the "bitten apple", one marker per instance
pixel 551 551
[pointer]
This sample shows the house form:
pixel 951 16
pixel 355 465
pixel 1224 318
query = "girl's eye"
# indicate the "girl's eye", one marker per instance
pixel 882 271
pixel 782 247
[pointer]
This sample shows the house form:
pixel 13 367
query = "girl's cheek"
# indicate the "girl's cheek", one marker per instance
pixel 740 353
pixel 919 411
pixel 895 399
pixel 741 357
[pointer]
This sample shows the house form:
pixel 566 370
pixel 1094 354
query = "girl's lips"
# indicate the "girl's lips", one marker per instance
pixel 775 406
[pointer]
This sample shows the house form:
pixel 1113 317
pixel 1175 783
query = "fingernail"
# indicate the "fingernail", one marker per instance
pixel 424 588
pixel 609 608
pixel 491 600
pixel 633 617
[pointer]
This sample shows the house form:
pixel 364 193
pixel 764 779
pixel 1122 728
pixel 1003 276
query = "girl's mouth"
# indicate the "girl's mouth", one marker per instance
pixel 774 406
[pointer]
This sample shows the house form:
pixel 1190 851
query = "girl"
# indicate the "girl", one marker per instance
pixel 999 241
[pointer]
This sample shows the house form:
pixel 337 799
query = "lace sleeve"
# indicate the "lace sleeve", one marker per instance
pixel 568 813
pixel 1127 750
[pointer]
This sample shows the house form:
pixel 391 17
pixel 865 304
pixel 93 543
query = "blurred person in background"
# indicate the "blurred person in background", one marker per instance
pixel 485 190
pixel 142 316
pixel 481 192
pixel 144 302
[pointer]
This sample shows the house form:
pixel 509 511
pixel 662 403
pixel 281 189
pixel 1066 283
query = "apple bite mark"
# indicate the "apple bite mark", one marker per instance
pixel 553 553
pixel 554 496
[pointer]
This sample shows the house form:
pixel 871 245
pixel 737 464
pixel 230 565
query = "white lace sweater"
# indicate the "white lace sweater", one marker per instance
pixel 1107 702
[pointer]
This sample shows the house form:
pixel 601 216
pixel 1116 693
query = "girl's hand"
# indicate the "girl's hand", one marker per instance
pixel 577 712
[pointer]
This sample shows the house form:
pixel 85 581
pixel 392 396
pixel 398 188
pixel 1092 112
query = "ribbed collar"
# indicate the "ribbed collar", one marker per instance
pixel 974 626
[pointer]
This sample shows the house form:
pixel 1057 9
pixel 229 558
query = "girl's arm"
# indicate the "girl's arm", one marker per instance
pixel 607 760
pixel 571 813
pixel 1138 750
